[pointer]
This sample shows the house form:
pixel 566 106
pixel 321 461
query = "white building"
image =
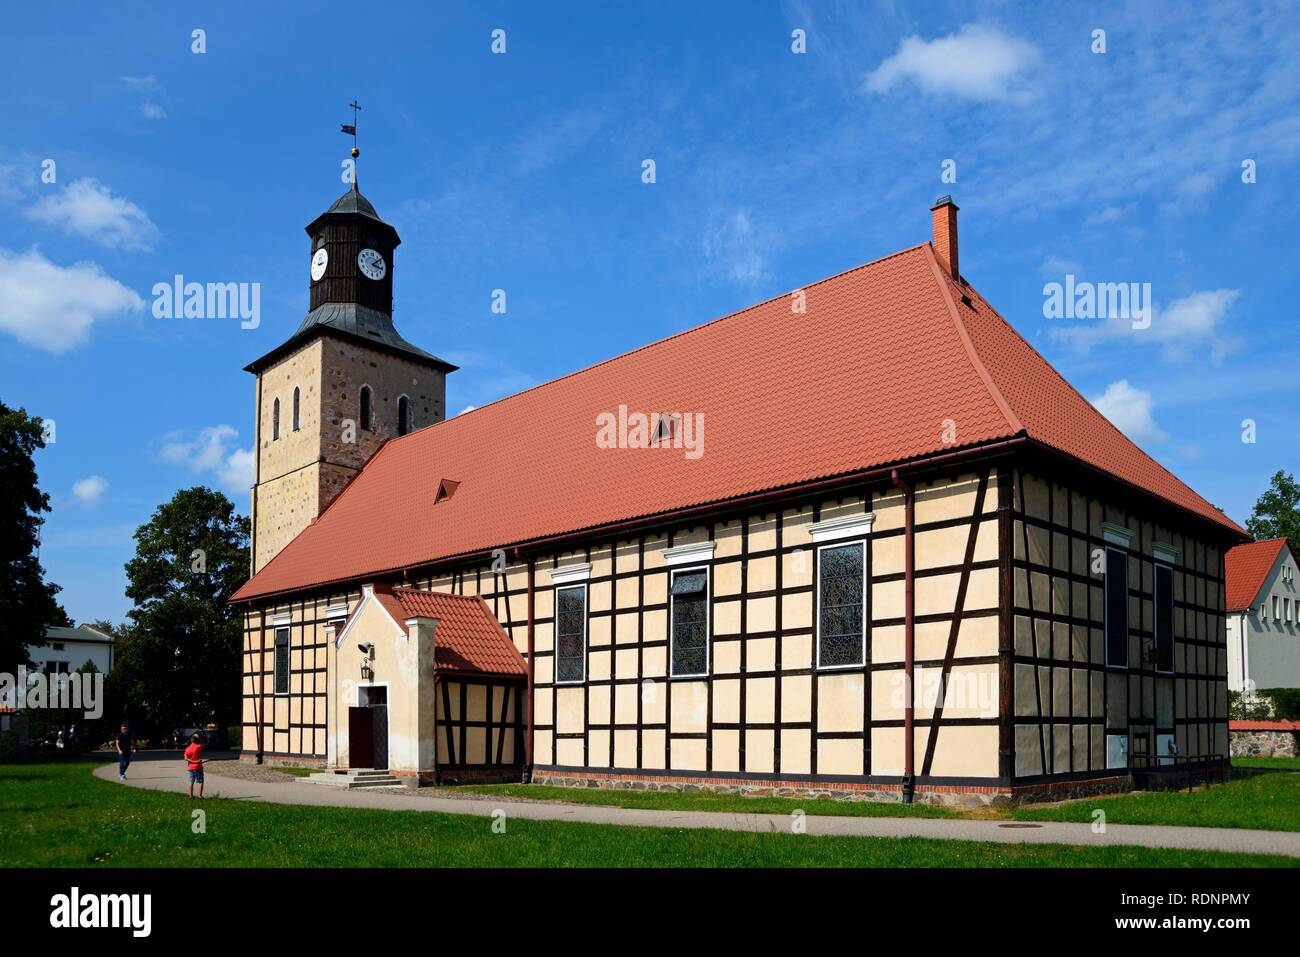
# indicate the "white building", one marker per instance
pixel 1263 616
pixel 67 649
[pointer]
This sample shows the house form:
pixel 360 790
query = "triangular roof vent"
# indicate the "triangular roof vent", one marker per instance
pixel 446 489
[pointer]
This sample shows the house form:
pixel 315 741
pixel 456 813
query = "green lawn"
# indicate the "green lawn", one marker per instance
pixel 56 814
pixel 1278 764
pixel 1266 801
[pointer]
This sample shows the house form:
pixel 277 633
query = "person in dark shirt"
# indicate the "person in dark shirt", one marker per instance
pixel 125 747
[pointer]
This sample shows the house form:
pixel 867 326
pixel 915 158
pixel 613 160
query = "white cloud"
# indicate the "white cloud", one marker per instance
pixel 976 63
pixel 52 307
pixel 1189 194
pixel 87 208
pixel 211 450
pixel 1182 328
pixel 150 91
pixel 1130 410
pixel 90 490
pixel 736 247
pixel 1109 214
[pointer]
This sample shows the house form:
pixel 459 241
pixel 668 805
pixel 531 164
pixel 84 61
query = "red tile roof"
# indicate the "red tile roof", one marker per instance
pixel 1245 568
pixel 468 636
pixel 865 377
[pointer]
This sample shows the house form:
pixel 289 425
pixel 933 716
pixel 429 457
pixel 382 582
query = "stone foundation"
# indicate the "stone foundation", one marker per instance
pixel 283 760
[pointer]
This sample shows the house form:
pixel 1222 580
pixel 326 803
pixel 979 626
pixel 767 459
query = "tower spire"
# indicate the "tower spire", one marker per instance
pixel 345 128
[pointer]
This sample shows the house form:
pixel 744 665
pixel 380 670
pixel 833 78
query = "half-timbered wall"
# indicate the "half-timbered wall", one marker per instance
pixel 764 707
pixel 1067 701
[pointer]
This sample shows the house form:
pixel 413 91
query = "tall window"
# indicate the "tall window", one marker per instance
pixel 689 597
pixel 571 633
pixel 841 635
pixel 403 415
pixel 1164 637
pixel 1116 608
pixel 282 661
pixel 296 399
pixel 365 407
pixel 275 420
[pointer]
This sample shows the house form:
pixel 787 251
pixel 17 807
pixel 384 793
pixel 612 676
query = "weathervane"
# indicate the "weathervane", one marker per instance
pixel 345 128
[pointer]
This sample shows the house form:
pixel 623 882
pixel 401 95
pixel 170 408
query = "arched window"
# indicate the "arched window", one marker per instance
pixel 295 407
pixel 365 407
pixel 403 415
pixel 275 420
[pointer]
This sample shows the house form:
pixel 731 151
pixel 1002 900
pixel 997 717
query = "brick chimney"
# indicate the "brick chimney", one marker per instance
pixel 943 216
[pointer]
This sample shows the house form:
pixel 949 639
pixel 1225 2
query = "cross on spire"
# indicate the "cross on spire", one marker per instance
pixel 345 128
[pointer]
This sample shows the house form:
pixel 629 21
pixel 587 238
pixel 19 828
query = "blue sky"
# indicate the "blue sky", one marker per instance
pixel 523 172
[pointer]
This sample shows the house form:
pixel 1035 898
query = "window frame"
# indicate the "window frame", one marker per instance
pixel 1123 553
pixel 275 420
pixel 403 415
pixel 1155 618
pixel 297 405
pixel 275 660
pixel 555 652
pixel 673 572
pixel 861 543
pixel 366 408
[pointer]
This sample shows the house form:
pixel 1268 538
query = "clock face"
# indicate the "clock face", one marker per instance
pixel 371 264
pixel 318 264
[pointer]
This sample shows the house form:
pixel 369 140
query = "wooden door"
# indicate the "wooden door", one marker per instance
pixel 361 738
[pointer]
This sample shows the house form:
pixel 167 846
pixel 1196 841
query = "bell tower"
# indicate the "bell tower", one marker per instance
pixel 343 384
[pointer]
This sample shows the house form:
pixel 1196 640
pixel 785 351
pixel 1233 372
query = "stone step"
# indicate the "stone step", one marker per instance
pixel 353 779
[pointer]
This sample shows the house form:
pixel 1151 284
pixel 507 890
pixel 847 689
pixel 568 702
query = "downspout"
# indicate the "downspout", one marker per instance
pixel 261 692
pixel 909 637
pixel 528 720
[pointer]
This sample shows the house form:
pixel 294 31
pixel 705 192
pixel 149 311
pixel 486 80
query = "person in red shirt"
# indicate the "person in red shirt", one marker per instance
pixel 194 755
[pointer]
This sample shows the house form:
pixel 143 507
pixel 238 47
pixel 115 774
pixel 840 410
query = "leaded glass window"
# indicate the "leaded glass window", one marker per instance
pixel 282 661
pixel 690 612
pixel 1164 619
pixel 1116 608
pixel 571 633
pixel 840 619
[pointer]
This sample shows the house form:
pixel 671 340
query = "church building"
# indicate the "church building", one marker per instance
pixel 860 539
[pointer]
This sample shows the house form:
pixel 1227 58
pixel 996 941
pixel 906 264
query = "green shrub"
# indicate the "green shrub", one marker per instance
pixel 1258 708
pixel 236 737
pixel 1285 701
pixel 8 745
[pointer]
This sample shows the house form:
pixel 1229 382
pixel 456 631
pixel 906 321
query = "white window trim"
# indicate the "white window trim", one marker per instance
pixel 566 574
pixel 1105 604
pixel 708 619
pixel 288 661
pixel 817 602
pixel 555 637
pixel 689 554
pixel 845 527
pixel 1117 534
pixel 1164 552
pixel 282 618
pixel 336 612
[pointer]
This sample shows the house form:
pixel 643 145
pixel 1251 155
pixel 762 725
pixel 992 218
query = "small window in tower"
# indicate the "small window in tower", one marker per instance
pixel 296 401
pixel 403 416
pixel 365 407
pixel 275 420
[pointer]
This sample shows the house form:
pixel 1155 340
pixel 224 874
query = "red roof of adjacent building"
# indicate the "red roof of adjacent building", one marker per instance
pixel 1245 567
pixel 468 636
pixel 869 375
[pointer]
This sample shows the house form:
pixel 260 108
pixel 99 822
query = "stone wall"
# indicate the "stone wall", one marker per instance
pixel 1264 744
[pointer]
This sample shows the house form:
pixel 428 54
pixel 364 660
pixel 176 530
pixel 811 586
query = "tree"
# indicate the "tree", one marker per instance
pixel 1277 513
pixel 27 602
pixel 179 657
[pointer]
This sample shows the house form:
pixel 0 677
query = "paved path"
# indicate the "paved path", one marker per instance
pixel 168 774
